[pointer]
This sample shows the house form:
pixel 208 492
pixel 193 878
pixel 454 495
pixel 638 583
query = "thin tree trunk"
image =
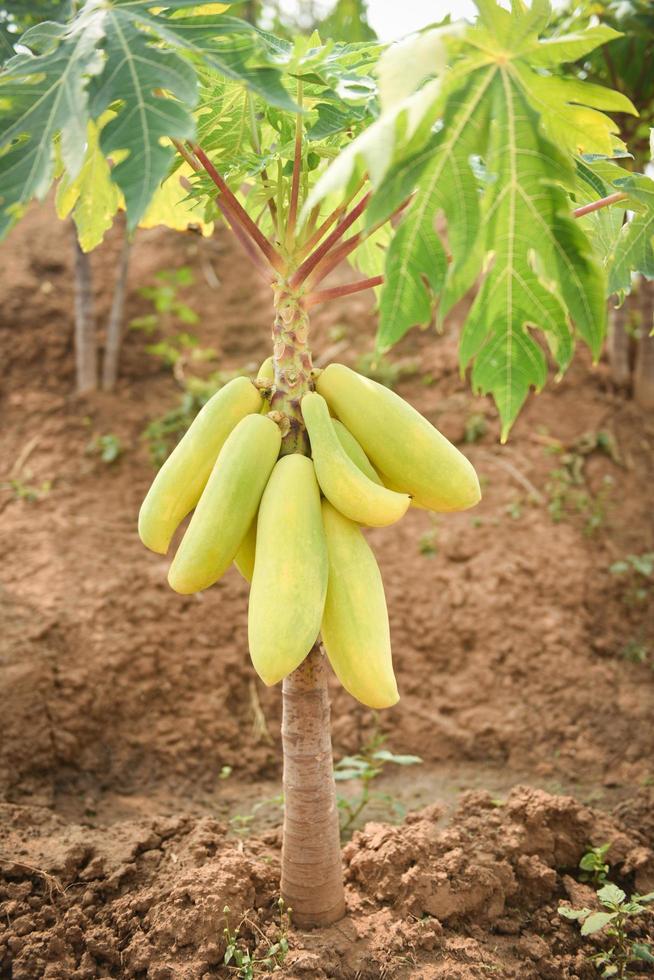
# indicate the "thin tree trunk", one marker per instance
pixel 114 336
pixel 618 345
pixel 312 876
pixel 644 368
pixel 312 873
pixel 86 355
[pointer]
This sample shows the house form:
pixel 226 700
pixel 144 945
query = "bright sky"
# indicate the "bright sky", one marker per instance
pixel 391 19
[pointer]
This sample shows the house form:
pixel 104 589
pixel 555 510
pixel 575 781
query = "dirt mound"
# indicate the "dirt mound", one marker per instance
pixel 431 898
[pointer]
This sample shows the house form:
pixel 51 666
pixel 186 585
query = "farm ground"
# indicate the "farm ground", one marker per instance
pixel 139 756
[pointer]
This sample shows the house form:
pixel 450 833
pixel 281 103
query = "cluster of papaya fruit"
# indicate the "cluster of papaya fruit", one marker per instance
pixel 291 523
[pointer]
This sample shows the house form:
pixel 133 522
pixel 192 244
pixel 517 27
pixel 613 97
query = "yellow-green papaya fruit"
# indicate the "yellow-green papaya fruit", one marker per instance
pixel 355 628
pixel 290 571
pixel 341 480
pixel 400 442
pixel 177 486
pixel 266 375
pixel 355 452
pixel 227 506
pixel 267 371
pixel 244 558
pixel 392 485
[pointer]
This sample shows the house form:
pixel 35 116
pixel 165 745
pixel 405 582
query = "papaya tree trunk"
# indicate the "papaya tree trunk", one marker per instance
pixel 644 367
pixel 312 873
pixel 86 355
pixel 619 344
pixel 312 876
pixel 114 335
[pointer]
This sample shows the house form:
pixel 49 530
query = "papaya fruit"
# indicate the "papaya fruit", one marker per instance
pixel 227 506
pixel 267 371
pixel 341 480
pixel 400 442
pixel 244 557
pixel 355 452
pixel 177 486
pixel 355 628
pixel 289 583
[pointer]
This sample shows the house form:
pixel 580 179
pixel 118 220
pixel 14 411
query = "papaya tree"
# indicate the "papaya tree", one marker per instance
pixel 465 157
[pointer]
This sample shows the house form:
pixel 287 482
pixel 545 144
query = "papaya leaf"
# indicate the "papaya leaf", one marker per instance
pixel 172 206
pixel 498 165
pixel 44 96
pixel 138 59
pixel 541 262
pixel 135 73
pixel 92 196
pixel 634 247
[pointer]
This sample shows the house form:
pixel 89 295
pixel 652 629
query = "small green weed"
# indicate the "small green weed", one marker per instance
pixel 476 428
pixel 364 768
pixel 246 963
pixel 165 300
pixel 241 823
pixel 108 447
pixel 28 492
pixel 636 652
pixel 380 368
pixel 593 866
pixel 619 913
pixel 637 573
pixel 567 489
pixel 427 543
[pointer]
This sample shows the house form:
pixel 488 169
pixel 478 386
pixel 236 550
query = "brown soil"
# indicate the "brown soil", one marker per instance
pixel 517 655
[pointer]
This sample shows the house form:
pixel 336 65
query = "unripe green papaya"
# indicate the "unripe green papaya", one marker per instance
pixel 290 571
pixel 267 371
pixel 355 452
pixel 400 442
pixel 266 376
pixel 177 486
pixel 228 505
pixel 355 628
pixel 341 480
pixel 244 558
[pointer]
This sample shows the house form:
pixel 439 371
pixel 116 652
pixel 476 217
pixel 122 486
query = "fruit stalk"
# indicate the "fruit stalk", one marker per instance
pixel 293 365
pixel 312 877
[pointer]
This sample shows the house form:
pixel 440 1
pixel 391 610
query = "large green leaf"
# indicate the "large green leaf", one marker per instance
pixel 45 96
pixel 136 71
pixel 542 268
pixel 92 196
pixel 634 248
pixel 499 168
pixel 139 59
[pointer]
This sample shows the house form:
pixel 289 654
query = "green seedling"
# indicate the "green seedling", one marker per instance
pixel 28 492
pixel 380 368
pixel 637 572
pixel 364 768
pixel 593 866
pixel 247 964
pixel 476 428
pixel 108 447
pixel 619 912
